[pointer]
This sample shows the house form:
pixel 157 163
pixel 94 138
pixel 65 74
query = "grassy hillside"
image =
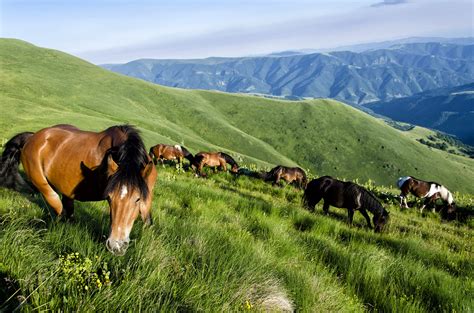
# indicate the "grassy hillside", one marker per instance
pixel 449 110
pixel 233 244
pixel 227 243
pixel 41 87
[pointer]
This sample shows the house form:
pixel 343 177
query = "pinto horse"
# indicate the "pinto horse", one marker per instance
pixel 430 191
pixel 214 159
pixel 80 165
pixel 168 152
pixel 288 174
pixel 345 195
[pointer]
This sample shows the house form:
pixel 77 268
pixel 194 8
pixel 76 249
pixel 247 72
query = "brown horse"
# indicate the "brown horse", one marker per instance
pixel 80 165
pixel 167 152
pixel 288 174
pixel 431 191
pixel 214 159
pixel 345 195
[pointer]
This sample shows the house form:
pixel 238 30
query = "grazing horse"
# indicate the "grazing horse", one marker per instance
pixel 80 165
pixel 345 195
pixel 288 174
pixel 430 191
pixel 213 159
pixel 168 152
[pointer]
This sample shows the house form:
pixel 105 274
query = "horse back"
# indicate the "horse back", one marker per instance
pixel 57 155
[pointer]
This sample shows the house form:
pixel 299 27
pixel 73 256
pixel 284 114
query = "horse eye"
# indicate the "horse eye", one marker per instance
pixel 137 200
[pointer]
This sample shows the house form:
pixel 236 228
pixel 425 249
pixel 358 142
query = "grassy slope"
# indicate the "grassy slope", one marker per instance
pixel 40 87
pixel 227 243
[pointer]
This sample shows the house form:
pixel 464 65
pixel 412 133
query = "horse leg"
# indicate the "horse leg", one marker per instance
pixel 350 213
pixel 403 200
pixel 223 166
pixel 367 218
pixel 326 207
pixel 277 180
pixel 200 169
pixel 51 196
pixel 425 203
pixel 68 206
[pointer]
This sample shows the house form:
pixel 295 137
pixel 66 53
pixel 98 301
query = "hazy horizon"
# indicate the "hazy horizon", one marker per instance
pixel 120 31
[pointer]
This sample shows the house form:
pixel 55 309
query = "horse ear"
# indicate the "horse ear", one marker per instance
pixel 112 167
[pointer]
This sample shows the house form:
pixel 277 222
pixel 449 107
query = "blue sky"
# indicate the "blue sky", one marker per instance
pixel 106 31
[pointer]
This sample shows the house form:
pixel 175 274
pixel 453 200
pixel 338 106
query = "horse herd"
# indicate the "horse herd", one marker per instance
pixel 113 165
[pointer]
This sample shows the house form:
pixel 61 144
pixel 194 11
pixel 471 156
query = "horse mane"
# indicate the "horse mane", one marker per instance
pixel 185 151
pixel 371 201
pixel 228 159
pixel 271 173
pixel 368 199
pixel 130 156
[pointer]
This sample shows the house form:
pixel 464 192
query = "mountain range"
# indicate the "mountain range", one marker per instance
pixel 352 77
pixel 43 87
pixel 450 110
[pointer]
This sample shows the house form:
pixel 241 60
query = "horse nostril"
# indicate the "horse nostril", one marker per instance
pixel 117 247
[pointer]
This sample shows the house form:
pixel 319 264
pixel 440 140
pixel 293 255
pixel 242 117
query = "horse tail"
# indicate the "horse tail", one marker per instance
pixel 152 155
pixel 269 175
pixel 229 159
pixel 9 174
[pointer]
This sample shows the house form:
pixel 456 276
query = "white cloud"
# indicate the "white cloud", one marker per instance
pixel 421 18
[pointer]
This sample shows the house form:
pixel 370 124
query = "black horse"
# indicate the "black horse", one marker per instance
pixel 345 195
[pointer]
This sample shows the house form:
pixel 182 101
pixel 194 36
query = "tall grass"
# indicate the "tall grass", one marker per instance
pixel 231 243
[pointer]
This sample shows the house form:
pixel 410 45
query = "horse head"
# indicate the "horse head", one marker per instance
pixel 451 207
pixel 128 194
pixel 235 168
pixel 381 220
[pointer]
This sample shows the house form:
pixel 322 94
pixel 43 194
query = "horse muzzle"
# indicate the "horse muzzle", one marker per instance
pixel 117 247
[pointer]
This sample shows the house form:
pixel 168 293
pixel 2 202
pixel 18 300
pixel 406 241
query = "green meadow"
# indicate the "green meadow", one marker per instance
pixel 229 243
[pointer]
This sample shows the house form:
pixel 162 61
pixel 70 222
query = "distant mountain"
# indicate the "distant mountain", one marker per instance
pixel 450 110
pixel 355 78
pixel 390 43
pixel 324 136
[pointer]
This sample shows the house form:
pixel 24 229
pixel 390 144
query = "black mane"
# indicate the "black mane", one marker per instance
pixel 370 201
pixel 188 155
pixel 131 158
pixel 228 159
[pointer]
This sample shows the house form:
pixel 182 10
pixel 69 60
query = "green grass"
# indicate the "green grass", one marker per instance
pixel 41 87
pixel 229 243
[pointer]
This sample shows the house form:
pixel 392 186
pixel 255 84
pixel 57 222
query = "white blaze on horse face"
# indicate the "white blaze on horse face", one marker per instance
pixel 123 192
